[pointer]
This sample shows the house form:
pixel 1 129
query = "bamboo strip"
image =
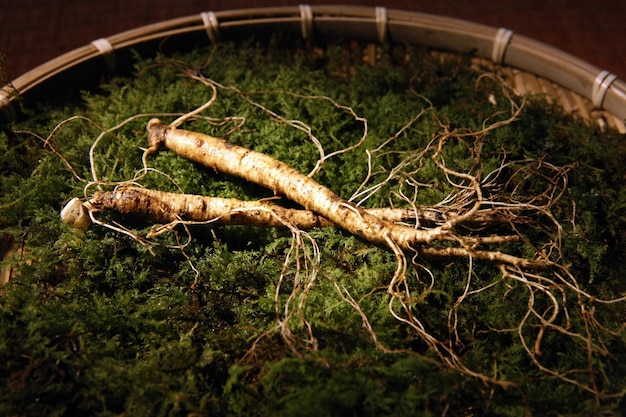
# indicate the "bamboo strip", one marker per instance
pixel 600 90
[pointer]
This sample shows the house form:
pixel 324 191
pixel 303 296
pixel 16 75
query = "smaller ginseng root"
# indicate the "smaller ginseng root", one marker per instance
pixel 170 208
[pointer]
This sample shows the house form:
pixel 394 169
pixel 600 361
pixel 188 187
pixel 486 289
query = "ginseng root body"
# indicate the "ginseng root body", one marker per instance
pixel 285 180
pixel 167 207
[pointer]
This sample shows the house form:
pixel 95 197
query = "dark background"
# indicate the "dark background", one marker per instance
pixel 35 31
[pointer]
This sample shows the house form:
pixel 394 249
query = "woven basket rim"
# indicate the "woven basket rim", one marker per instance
pixel 501 46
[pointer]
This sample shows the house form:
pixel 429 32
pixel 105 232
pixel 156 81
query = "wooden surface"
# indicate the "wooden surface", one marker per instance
pixel 35 31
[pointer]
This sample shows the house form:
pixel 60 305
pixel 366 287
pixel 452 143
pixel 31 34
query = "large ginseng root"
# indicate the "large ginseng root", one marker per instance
pixel 285 180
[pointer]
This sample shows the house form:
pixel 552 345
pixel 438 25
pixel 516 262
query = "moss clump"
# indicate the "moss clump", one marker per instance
pixel 95 323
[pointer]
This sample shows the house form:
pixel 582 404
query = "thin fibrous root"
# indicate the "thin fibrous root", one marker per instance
pixel 285 180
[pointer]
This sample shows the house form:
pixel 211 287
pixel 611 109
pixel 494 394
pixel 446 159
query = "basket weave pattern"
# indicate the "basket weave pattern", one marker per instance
pixel 530 66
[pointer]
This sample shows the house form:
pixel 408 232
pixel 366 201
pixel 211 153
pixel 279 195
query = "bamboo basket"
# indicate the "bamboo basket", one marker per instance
pixel 530 67
pixel 527 65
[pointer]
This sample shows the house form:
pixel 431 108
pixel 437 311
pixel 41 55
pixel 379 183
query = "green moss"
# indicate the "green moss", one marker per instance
pixel 94 323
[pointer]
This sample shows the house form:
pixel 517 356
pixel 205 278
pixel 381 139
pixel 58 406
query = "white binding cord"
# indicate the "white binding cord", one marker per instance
pixel 106 50
pixel 211 25
pixel 500 43
pixel 600 85
pixel 381 23
pixel 306 16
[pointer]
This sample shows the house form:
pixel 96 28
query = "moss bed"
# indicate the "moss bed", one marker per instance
pixel 95 323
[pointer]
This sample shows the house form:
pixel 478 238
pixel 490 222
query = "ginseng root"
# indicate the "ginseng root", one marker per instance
pixel 285 180
pixel 166 207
